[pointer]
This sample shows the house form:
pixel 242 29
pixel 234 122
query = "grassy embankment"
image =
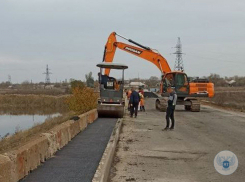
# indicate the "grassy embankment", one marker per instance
pixel 27 91
pixel 32 104
pixel 81 101
pixel 229 97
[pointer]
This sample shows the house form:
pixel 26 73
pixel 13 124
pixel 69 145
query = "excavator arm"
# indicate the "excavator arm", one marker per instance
pixel 140 51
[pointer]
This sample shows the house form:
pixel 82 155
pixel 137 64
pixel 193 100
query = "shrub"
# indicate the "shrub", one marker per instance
pixel 83 99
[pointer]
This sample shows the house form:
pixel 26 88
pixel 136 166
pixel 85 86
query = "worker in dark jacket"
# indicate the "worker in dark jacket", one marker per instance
pixel 172 99
pixel 103 79
pixel 134 102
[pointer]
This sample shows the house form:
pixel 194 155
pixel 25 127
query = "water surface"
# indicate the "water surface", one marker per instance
pixel 9 123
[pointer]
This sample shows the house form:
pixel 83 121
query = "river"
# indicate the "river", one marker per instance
pixel 9 123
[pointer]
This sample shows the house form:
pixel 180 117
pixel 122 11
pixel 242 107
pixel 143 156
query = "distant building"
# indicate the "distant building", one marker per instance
pixel 49 87
pixel 154 90
pixel 126 83
pixel 230 83
pixel 137 84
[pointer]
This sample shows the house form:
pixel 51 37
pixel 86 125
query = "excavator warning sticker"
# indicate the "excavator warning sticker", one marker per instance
pixel 109 84
pixel 133 50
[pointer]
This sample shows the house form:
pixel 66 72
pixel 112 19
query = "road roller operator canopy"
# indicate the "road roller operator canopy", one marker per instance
pixel 112 66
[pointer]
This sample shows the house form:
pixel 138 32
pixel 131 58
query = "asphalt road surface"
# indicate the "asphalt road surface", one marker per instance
pixel 146 153
pixel 78 160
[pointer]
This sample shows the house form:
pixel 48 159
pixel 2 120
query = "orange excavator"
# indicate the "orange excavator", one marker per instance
pixel 187 91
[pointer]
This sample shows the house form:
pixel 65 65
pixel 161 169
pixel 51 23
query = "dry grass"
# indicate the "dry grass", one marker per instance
pixel 31 110
pixel 27 102
pixel 229 97
pixel 55 91
pixel 22 137
pixel 229 89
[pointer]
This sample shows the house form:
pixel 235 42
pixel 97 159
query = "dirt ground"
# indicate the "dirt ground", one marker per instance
pixel 146 153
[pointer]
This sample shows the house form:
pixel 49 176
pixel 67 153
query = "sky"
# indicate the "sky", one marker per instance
pixel 70 35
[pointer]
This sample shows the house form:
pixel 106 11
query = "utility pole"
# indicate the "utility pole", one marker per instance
pixel 9 79
pixel 47 78
pixel 179 65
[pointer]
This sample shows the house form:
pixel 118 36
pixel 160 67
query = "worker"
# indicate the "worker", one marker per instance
pixel 103 79
pixel 142 102
pixel 172 99
pixel 141 90
pixel 128 93
pixel 116 85
pixel 134 103
pixel 141 93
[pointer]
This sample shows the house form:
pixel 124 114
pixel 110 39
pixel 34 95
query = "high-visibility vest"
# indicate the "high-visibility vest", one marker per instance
pixel 141 96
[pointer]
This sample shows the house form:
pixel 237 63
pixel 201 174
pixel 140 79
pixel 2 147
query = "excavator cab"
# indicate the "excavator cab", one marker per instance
pixel 178 81
pixel 186 91
pixel 111 101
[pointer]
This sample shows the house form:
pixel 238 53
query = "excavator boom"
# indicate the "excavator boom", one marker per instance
pixel 140 51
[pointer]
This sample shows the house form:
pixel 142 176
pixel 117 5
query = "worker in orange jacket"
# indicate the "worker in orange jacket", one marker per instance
pixel 142 99
pixel 142 102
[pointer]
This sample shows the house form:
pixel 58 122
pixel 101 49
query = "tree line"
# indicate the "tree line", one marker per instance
pixel 151 82
pixel 223 81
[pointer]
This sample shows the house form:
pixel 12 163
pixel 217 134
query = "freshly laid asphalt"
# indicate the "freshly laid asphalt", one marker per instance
pixel 78 160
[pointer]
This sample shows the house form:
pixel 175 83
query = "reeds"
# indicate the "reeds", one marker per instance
pixel 28 102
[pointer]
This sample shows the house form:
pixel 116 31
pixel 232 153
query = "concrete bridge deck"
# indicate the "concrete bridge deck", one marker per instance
pixel 146 153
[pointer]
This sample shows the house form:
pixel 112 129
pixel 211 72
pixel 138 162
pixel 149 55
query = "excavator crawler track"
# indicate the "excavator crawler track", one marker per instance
pixel 195 106
pixel 161 105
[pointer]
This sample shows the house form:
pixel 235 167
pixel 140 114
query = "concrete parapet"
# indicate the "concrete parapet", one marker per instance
pixel 16 164
pixel 92 115
pixel 83 122
pixel 5 169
